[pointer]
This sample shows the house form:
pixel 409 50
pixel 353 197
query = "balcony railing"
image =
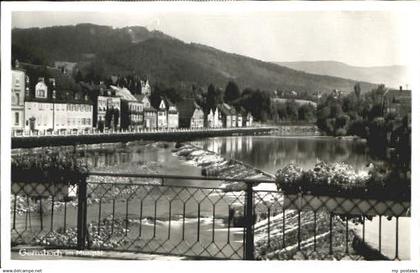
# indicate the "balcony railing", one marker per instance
pixel 194 217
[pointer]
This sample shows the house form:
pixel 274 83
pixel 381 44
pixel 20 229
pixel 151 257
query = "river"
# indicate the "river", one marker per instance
pixel 267 153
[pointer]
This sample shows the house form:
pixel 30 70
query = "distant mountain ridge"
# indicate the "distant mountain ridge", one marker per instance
pixel 392 76
pixel 163 59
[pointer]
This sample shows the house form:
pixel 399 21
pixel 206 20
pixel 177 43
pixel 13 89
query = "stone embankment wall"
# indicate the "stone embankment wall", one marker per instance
pixel 297 130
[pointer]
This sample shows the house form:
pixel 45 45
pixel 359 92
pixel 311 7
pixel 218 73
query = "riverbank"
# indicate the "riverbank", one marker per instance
pixel 31 141
pixel 296 130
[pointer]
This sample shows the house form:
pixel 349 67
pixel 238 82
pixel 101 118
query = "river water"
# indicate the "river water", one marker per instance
pixel 270 153
pixel 195 223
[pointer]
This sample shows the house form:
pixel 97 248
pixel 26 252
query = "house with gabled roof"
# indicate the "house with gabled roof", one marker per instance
pixel 241 117
pixel 213 119
pixel 131 108
pixel 197 118
pixel 172 114
pixel 162 119
pixel 149 112
pixel 227 115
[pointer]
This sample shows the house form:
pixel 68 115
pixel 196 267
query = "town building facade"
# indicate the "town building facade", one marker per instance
pixel 131 109
pixel 397 101
pixel 19 85
pixel 172 115
pixel 45 112
pixel 213 120
pixel 227 115
pixel 149 113
pixel 162 120
pixel 197 118
pixel 145 88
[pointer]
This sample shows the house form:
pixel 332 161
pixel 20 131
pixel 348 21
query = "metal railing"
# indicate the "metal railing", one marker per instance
pixel 192 216
pixel 94 131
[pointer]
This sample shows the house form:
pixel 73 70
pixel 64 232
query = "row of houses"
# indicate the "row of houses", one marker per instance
pixel 114 107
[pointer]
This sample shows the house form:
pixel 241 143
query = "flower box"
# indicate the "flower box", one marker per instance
pixel 345 205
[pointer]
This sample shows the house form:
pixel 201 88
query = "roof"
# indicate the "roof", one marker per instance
pixel 169 103
pixel 226 109
pixel 68 65
pixel 149 109
pixel 123 93
pixel 140 97
pixel 50 100
pixel 242 111
pixel 186 108
pixel 398 93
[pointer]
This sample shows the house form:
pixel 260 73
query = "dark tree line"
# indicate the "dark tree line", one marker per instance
pixel 365 116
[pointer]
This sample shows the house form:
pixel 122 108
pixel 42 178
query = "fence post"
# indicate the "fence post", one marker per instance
pixel 81 214
pixel 249 223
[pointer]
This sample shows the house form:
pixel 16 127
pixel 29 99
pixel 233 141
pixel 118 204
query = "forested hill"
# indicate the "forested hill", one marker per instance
pixel 162 58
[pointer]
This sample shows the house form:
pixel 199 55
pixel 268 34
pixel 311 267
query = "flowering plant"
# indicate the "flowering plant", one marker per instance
pixel 47 166
pixel 340 179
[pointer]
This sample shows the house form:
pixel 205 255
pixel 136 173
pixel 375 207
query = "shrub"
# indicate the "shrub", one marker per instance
pixel 342 180
pixel 47 166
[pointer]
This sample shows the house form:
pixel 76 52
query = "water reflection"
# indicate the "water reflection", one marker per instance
pixel 271 153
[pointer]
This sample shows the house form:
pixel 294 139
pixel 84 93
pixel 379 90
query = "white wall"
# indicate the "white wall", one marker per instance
pixel 42 112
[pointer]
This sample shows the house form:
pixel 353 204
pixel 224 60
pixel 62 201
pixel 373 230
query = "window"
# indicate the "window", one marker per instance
pixel 17 118
pixel 17 98
pixel 40 93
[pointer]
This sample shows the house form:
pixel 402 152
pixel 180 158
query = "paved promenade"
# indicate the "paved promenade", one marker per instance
pixel 40 139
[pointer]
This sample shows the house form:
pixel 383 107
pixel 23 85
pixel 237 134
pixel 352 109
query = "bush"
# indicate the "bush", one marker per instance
pixel 47 166
pixel 342 180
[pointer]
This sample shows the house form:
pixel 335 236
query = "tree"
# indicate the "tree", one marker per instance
pixel 258 103
pixel 292 109
pixel 232 92
pixel 78 77
pixel 306 112
pixel 357 90
pixel 211 98
pixel 155 97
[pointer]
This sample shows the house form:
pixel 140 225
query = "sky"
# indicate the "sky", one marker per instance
pixel 360 38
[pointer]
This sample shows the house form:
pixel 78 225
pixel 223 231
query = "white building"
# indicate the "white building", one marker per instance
pixel 162 119
pixel 213 120
pixel 131 108
pixel 39 115
pixel 149 113
pixel 19 85
pixel 249 120
pixel 45 112
pixel 197 118
pixel 145 88
pixel 102 105
pixel 172 115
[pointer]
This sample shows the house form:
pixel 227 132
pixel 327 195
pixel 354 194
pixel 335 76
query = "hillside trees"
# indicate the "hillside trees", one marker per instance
pixel 232 92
